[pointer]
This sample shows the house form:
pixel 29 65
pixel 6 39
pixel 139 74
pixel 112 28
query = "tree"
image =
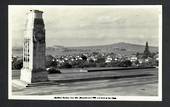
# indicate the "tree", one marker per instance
pixel 100 59
pixel 83 57
pixel 17 64
pixel 152 55
pixel 95 53
pixel 125 63
pixel 137 54
pixel 50 61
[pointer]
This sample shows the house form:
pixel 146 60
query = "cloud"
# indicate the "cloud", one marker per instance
pixel 90 25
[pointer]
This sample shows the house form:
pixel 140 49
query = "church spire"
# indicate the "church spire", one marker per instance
pixel 146 53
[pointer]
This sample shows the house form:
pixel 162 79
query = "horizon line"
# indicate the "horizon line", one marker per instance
pixel 94 45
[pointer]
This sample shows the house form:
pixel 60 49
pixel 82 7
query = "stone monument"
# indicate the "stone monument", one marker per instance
pixel 34 49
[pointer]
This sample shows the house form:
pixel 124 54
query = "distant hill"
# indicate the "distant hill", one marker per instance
pixel 118 48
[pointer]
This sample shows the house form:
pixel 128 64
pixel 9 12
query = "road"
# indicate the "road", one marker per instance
pixel 124 86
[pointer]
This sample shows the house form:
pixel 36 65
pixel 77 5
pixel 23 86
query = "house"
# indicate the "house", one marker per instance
pixel 133 58
pixel 108 59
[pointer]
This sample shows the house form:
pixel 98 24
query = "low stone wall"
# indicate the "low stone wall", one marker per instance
pixel 115 68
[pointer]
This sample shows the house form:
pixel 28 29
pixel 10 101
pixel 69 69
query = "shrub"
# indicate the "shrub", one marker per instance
pixel 100 59
pixel 92 64
pixel 102 64
pixel 18 64
pixel 66 65
pixel 53 70
pixel 115 63
pixel 125 63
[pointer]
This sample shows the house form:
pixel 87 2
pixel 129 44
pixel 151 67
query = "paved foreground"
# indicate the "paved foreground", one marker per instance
pixel 123 85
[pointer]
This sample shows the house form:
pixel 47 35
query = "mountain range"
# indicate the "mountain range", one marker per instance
pixel 118 48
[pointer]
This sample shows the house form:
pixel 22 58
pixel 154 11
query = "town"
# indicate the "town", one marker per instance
pixel 95 59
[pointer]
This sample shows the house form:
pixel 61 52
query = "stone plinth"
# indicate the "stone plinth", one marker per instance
pixel 31 76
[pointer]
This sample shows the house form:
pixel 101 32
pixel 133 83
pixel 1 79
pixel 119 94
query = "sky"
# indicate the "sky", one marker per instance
pixel 89 25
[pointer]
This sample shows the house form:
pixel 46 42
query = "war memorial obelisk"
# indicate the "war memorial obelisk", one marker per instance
pixel 34 49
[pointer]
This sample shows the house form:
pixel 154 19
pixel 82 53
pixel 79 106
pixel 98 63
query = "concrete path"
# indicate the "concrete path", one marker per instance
pixel 145 85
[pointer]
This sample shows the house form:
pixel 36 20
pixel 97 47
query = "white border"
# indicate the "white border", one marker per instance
pixel 9 57
pixel 118 98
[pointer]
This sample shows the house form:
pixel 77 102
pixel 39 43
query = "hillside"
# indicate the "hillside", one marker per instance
pixel 119 48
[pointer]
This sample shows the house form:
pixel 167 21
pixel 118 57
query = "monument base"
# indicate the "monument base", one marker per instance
pixel 30 76
pixel 19 84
